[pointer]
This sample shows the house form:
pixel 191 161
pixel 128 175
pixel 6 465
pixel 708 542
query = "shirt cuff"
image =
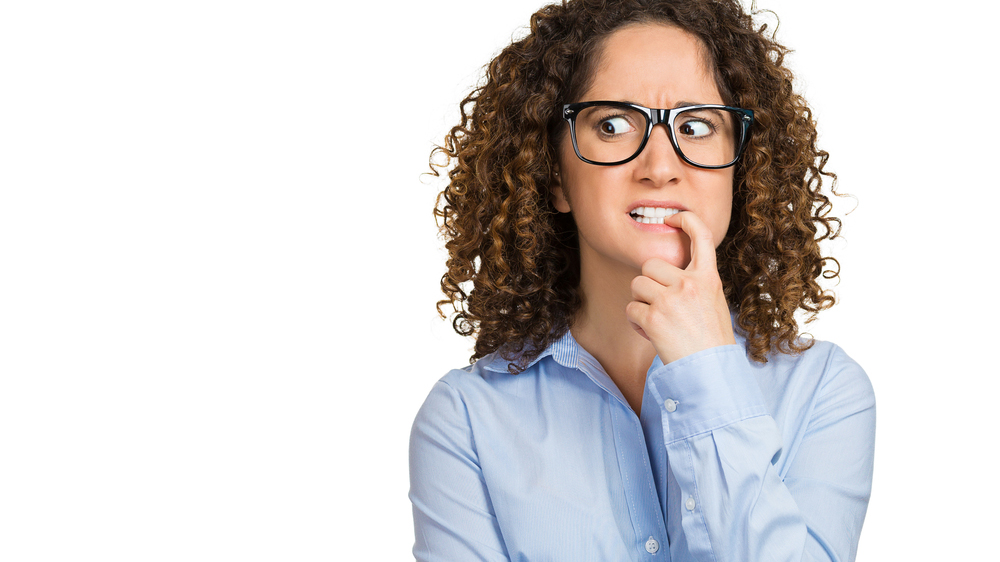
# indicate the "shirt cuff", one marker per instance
pixel 705 391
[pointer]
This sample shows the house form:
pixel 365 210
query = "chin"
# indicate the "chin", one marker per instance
pixel 674 255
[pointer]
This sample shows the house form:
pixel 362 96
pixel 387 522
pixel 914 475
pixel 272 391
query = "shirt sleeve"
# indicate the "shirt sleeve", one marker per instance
pixel 452 515
pixel 723 448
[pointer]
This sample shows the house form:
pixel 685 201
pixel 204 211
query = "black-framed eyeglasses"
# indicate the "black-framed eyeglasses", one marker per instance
pixel 608 133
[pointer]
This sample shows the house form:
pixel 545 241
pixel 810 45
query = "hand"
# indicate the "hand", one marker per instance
pixel 682 311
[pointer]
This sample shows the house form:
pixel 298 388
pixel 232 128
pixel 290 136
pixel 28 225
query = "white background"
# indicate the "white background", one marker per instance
pixel 218 266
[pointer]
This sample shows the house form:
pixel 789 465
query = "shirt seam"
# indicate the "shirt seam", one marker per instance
pixel 479 464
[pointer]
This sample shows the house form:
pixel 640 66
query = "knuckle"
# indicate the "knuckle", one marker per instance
pixel 636 283
pixel 649 266
pixel 663 306
pixel 631 310
pixel 655 323
pixel 688 287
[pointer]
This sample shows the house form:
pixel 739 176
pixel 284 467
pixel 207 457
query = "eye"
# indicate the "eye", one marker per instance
pixel 695 129
pixel 615 126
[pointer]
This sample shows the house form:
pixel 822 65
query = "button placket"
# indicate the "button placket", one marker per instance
pixel 689 503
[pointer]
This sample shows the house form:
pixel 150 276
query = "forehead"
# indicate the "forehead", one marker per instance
pixel 654 65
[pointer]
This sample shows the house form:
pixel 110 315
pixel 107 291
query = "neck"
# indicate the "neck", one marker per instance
pixel 601 327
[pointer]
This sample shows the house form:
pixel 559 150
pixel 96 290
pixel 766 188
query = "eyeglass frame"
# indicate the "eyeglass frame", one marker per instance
pixel 655 117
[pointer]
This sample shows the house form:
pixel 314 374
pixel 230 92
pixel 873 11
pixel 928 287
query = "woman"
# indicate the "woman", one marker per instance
pixel 633 219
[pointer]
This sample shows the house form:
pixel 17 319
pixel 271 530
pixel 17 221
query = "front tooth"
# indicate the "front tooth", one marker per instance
pixel 646 220
pixel 659 220
pixel 641 210
pixel 661 212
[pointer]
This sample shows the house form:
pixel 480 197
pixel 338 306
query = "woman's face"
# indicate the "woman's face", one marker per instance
pixel 660 67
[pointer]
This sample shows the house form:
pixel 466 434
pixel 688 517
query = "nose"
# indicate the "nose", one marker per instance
pixel 659 163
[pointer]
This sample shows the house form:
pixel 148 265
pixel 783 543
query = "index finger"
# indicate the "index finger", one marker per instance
pixel 702 242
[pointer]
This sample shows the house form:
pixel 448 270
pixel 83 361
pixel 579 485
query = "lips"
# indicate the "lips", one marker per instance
pixel 653 214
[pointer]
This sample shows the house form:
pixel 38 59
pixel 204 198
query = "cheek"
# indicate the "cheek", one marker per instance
pixel 723 227
pixel 587 187
pixel 723 209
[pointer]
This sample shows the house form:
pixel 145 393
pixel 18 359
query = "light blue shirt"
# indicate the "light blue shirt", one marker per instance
pixel 730 460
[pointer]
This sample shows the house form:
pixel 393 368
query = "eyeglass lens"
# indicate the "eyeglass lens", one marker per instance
pixel 607 134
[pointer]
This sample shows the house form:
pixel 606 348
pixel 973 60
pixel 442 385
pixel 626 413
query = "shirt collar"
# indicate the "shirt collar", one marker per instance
pixel 564 351
pixel 567 352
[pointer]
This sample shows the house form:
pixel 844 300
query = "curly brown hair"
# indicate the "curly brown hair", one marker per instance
pixel 522 257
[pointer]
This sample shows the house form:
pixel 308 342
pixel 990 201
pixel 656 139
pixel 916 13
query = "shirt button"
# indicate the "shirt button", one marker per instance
pixel 670 405
pixel 689 503
pixel 652 546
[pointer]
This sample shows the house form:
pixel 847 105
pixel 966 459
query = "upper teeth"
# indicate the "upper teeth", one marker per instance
pixel 652 215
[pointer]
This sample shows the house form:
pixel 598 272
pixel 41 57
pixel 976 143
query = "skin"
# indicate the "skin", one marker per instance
pixel 648 293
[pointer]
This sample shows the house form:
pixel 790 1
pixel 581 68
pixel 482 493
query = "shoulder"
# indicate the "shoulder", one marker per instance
pixel 823 368
pixel 813 387
pixel 839 373
pixel 467 393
